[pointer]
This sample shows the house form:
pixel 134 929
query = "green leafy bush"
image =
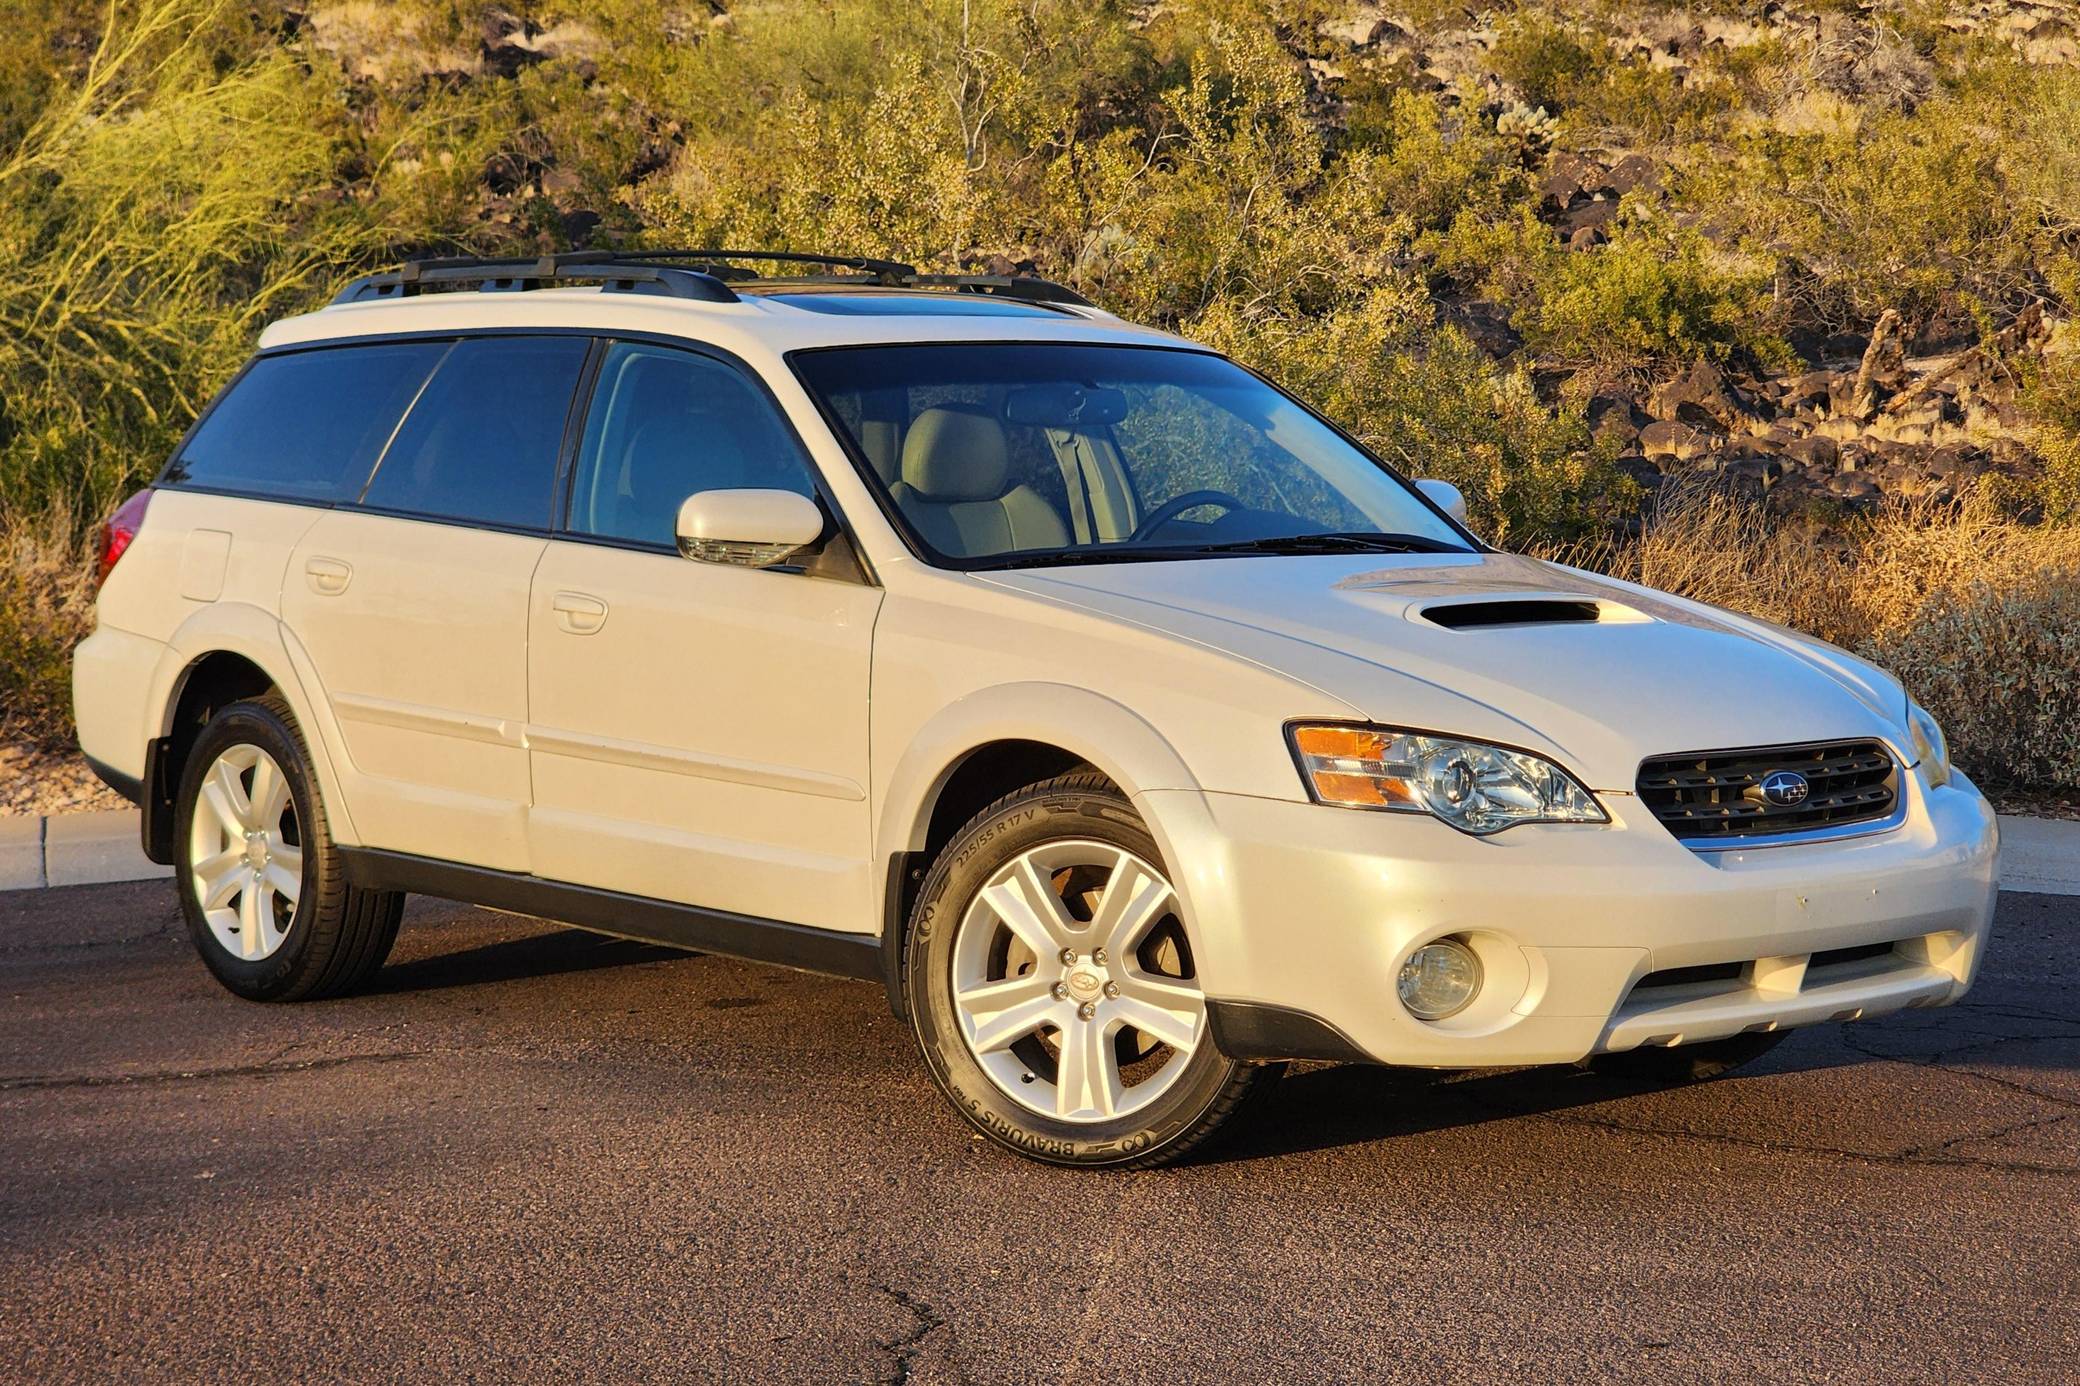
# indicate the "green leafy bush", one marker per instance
pixel 1433 404
pixel 1544 59
pixel 2051 398
pixel 1653 293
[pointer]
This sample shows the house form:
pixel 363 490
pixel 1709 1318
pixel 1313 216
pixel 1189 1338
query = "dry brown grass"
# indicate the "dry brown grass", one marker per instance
pixel 1977 615
pixel 46 607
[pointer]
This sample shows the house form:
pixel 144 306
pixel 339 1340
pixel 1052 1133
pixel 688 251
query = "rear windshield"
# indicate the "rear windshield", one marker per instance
pixel 306 425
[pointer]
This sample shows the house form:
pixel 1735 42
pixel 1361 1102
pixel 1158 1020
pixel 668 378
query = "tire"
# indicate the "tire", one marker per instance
pixel 1055 1074
pixel 262 886
pixel 1688 1063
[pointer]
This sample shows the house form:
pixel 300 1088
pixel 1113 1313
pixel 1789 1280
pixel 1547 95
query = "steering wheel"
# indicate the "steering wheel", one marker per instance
pixel 1177 505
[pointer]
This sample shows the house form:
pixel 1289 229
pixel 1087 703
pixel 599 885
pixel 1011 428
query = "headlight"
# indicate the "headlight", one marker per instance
pixel 1929 745
pixel 1474 787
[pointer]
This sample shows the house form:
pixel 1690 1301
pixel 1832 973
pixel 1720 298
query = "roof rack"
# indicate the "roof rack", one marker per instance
pixel 704 277
pixel 601 267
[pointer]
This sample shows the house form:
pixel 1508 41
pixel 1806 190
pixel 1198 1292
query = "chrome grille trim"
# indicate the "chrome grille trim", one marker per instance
pixel 1713 800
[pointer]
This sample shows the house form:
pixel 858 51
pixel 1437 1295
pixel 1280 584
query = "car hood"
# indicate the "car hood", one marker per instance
pixel 1649 675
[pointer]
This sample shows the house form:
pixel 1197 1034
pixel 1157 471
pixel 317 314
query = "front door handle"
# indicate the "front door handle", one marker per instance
pixel 328 577
pixel 578 613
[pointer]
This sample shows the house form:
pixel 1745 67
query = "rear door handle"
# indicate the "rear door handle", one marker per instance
pixel 328 577
pixel 578 613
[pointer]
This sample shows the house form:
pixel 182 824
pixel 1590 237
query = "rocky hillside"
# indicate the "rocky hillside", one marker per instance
pixel 1923 405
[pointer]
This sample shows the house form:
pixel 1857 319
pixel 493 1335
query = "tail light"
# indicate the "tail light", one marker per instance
pixel 117 532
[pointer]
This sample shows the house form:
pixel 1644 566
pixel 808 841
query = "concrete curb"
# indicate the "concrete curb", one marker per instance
pixel 2041 855
pixel 2037 854
pixel 74 849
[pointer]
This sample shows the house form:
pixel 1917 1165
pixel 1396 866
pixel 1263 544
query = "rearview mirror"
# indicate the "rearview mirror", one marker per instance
pixel 1065 406
pixel 1445 497
pixel 752 529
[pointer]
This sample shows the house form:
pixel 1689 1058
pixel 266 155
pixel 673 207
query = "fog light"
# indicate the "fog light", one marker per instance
pixel 1439 979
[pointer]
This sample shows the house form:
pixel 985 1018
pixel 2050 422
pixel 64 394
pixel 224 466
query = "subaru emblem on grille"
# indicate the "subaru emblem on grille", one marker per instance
pixel 1785 788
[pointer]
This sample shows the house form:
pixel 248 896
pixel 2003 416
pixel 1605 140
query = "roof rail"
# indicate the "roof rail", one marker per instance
pixel 893 274
pixel 602 267
pixel 705 277
pixel 1025 287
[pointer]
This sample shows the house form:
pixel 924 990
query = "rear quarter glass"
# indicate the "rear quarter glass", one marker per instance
pixel 306 425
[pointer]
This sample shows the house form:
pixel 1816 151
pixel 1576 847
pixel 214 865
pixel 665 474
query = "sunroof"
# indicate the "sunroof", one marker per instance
pixel 873 305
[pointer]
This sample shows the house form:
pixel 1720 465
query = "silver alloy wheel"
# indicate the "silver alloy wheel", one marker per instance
pixel 245 852
pixel 1073 983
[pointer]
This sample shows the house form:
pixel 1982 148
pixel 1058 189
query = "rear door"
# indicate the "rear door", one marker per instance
pixel 412 602
pixel 699 731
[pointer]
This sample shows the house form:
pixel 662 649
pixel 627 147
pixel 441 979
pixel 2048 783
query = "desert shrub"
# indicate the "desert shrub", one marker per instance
pixel 1935 212
pixel 1544 60
pixel 2050 398
pixel 2000 667
pixel 1655 292
pixel 157 211
pixel 859 124
pixel 1979 617
pixel 1426 166
pixel 1429 401
pixel 46 607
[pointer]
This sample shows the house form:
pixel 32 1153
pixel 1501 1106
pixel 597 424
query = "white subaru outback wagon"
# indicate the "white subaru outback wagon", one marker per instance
pixel 1134 727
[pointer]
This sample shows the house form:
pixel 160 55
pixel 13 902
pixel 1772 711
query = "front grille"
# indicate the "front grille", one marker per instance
pixel 1835 957
pixel 1689 976
pixel 1709 795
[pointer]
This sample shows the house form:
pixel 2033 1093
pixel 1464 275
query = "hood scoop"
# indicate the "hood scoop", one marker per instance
pixel 1521 611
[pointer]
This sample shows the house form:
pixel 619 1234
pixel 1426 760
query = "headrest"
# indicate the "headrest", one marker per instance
pixel 956 453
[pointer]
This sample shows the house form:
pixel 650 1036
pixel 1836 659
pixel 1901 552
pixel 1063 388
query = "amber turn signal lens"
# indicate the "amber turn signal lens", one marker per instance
pixel 1347 765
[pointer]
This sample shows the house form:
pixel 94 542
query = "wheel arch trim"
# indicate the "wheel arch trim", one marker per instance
pixel 1111 737
pixel 257 636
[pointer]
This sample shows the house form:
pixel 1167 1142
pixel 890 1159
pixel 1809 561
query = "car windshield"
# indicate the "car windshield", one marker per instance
pixel 1031 455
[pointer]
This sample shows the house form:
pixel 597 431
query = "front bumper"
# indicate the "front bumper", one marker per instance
pixel 1308 912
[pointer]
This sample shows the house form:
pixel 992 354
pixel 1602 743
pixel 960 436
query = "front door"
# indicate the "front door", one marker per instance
pixel 697 732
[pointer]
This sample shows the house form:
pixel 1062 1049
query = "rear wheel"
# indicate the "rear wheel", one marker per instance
pixel 261 884
pixel 1688 1063
pixel 1053 988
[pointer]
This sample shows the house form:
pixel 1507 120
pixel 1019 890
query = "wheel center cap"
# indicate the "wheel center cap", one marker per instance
pixel 256 850
pixel 1085 986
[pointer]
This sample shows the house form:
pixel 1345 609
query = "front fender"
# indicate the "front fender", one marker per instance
pixel 1108 734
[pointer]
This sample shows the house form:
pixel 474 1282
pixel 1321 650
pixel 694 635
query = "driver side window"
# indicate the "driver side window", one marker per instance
pixel 664 425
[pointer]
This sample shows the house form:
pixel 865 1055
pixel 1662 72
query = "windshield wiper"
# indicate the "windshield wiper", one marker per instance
pixel 1281 543
pixel 1345 542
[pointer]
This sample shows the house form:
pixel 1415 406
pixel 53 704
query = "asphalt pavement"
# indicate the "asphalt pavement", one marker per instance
pixel 530 1152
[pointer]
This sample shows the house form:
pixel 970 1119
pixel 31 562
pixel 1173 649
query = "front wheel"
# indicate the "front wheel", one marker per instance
pixel 1052 985
pixel 261 885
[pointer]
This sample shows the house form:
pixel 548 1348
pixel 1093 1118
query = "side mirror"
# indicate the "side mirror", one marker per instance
pixel 752 529
pixel 1445 497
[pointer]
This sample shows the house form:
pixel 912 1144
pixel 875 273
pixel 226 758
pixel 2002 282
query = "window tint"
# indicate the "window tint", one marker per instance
pixel 481 443
pixel 665 424
pixel 307 425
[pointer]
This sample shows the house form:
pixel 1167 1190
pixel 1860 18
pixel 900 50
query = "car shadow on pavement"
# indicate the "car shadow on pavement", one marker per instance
pixel 545 954
pixel 1323 1108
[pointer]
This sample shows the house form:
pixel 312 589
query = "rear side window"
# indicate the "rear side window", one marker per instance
pixel 481 443
pixel 307 425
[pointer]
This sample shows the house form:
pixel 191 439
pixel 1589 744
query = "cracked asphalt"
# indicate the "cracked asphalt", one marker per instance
pixel 536 1152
